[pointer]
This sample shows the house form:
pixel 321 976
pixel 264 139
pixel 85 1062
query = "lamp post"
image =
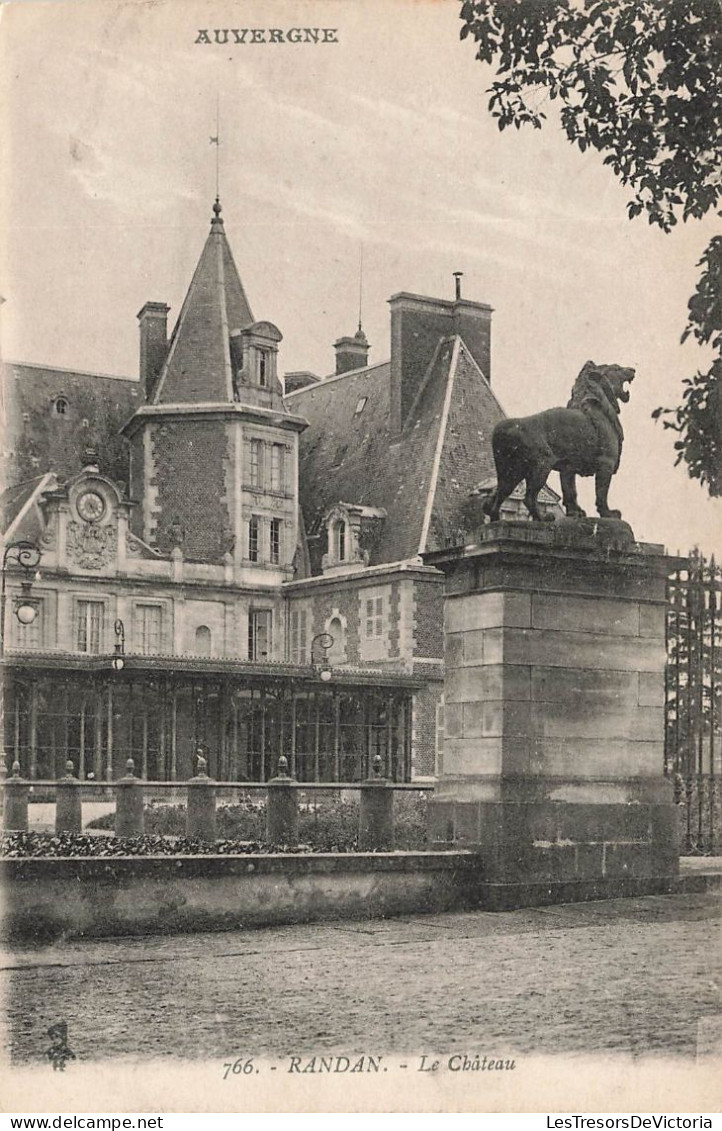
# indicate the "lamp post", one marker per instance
pixel 26 555
pixel 324 640
pixel 118 660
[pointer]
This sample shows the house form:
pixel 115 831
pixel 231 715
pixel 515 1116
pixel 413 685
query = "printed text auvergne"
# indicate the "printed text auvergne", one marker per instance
pixel 230 36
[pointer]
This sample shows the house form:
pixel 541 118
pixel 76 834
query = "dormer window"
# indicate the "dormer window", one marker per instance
pixel 257 354
pixel 351 532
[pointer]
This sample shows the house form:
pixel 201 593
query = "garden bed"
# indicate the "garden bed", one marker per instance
pixel 63 845
pixel 325 824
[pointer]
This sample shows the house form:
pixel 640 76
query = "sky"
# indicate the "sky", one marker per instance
pixel 378 146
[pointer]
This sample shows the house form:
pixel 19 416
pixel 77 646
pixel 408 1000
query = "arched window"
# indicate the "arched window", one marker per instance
pixel 203 640
pixel 339 540
pixel 61 405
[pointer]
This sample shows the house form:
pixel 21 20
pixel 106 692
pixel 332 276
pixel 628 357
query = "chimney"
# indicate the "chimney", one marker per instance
pixel 351 353
pixel 299 379
pixel 418 324
pixel 153 343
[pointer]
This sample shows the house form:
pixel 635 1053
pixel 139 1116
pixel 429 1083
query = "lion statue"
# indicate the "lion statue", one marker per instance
pixel 585 438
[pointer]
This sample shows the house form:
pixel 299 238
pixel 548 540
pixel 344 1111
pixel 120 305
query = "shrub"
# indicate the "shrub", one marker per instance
pixel 328 821
pixel 15 845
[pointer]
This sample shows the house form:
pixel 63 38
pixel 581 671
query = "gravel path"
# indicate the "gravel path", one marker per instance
pixel 635 976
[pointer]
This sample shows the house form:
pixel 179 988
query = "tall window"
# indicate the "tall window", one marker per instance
pixel 439 745
pixel 253 529
pixel 299 636
pixel 259 634
pixel 255 463
pixel 374 617
pixel 338 537
pixel 147 629
pixel 263 367
pixel 278 453
pixel 90 626
pixel 275 546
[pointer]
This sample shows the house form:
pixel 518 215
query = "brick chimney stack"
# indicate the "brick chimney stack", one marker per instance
pixel 153 319
pixel 299 379
pixel 418 324
pixel 351 353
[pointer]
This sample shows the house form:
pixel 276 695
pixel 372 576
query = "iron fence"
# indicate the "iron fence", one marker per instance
pixel 693 700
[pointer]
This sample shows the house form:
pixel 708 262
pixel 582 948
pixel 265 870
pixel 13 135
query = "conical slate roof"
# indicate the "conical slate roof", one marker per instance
pixel 197 369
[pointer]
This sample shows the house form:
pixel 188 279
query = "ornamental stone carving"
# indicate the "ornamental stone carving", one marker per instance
pixel 132 545
pixel 91 546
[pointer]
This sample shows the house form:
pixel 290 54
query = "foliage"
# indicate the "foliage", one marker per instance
pixel 640 82
pixel 326 823
pixel 699 418
pixel 78 844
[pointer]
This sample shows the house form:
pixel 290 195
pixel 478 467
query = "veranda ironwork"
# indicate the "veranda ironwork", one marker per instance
pixel 693 700
pixel 241 717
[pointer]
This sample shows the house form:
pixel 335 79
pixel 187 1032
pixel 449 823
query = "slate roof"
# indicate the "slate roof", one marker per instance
pixel 198 366
pixel 13 499
pixel 421 477
pixel 37 439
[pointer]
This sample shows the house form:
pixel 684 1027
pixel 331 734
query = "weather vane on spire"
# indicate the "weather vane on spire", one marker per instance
pixel 217 142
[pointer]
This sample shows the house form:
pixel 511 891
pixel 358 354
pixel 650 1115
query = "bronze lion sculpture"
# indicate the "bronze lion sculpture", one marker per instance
pixel 585 438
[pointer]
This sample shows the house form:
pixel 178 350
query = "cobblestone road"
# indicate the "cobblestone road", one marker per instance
pixel 634 976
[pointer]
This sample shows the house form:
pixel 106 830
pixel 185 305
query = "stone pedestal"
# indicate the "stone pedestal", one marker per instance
pixel 554 706
pixel 129 808
pixel 201 809
pixel 68 805
pixel 376 816
pixel 15 808
pixel 282 807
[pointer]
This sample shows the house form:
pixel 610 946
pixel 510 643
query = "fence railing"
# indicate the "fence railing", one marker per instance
pixel 370 815
pixel 693 700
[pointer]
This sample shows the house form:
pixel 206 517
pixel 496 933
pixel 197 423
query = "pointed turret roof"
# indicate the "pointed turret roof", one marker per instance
pixel 198 366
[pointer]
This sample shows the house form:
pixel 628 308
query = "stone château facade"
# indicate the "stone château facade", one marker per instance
pixel 253 546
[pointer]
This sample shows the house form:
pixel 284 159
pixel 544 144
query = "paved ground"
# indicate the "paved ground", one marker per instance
pixel 633 976
pixel 41 814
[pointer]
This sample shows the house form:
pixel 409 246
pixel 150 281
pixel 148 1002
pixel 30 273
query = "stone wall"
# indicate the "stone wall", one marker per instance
pixel 44 899
pixel 134 896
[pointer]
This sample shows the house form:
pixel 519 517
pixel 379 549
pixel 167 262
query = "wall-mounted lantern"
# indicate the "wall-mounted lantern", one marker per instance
pixel 322 641
pixel 118 660
pixel 26 555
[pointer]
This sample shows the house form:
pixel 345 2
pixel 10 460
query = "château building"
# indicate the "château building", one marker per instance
pixel 232 561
